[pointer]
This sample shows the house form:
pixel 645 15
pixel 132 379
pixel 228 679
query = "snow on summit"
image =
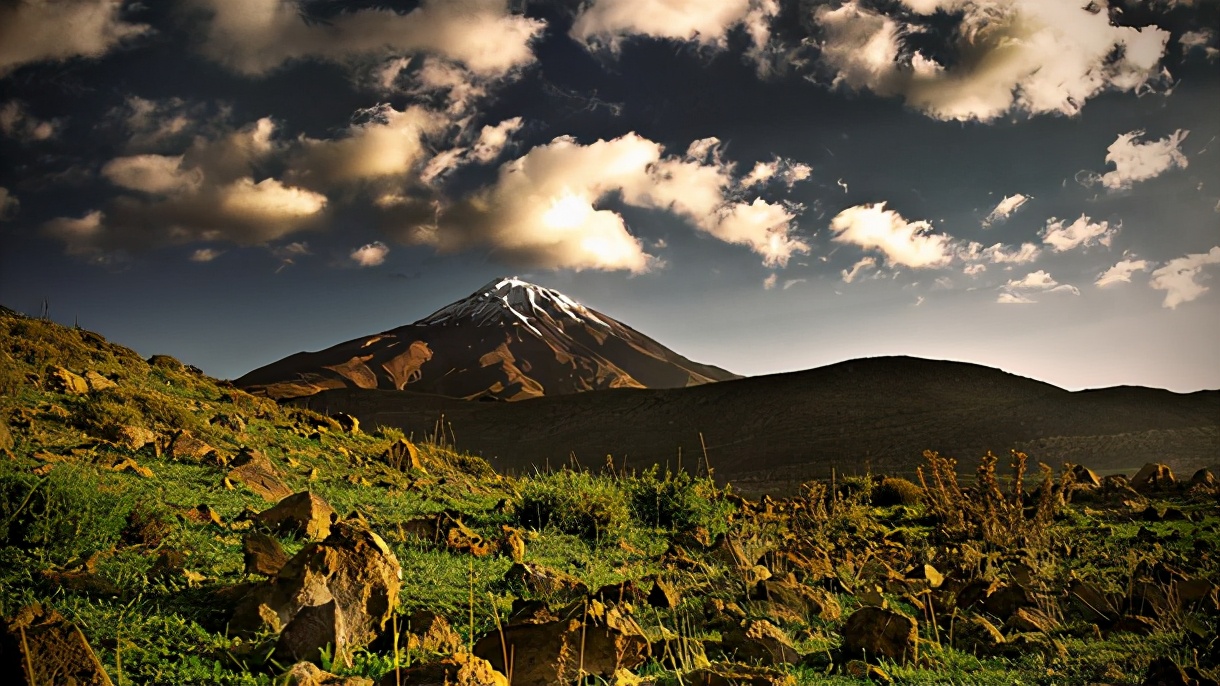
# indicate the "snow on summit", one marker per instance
pixel 512 300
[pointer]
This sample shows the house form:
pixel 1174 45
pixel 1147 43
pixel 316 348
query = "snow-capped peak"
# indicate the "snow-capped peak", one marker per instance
pixel 511 300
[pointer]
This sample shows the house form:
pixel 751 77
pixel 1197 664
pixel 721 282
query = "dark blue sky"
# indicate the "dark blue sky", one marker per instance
pixel 758 184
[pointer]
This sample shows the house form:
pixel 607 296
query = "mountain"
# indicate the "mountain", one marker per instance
pixel 770 433
pixel 509 340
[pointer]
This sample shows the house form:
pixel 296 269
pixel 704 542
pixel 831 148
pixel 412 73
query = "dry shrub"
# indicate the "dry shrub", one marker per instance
pixel 896 491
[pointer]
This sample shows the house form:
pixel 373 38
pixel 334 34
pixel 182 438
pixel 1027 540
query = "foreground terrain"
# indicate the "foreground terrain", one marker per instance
pixel 158 526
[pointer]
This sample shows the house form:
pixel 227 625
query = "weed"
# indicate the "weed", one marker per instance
pixel 579 503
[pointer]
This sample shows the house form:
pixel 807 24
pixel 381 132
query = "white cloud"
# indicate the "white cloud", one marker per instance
pixel 17 123
pixel 1135 161
pixel 850 275
pixel 608 22
pixel 788 171
pixel 1030 56
pixel 256 36
pixel 156 125
pixel 906 243
pixel 1007 298
pixel 770 281
pixel 1121 272
pixel 8 204
pixel 974 269
pixel 545 207
pixel 1005 209
pixel 383 143
pixel 1039 281
pixel 160 174
pixel 789 283
pixel 1179 277
pixel 1202 39
pixel 205 255
pixel 999 253
pixel 493 139
pixel 58 30
pixel 1083 232
pixel 370 255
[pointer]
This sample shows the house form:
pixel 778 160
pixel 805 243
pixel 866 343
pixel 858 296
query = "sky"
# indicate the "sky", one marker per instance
pixel 764 185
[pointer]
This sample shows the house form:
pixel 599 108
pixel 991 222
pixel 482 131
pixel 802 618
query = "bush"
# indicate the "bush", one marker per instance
pixel 575 503
pixel 678 502
pixel 65 513
pixel 127 406
pixel 896 491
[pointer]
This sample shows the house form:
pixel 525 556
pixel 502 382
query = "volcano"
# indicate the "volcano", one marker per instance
pixel 509 340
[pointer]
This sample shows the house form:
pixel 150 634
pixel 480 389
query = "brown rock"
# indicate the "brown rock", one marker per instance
pixel 347 423
pixel 1153 477
pixel 97 382
pixel 1026 620
pixel 186 446
pixel 41 640
pixel 806 601
pixel 1006 600
pixel 876 632
pixel 403 456
pixel 1203 481
pixel 424 631
pixel 456 670
pixel 512 543
pixel 133 438
pixel 256 471
pixel 726 550
pixel 759 641
pixel 1164 672
pixel 262 554
pixel 301 514
pixel 232 422
pixel 1148 599
pixel 977 636
pixel 6 436
pixel 858 669
pixel 462 539
pixel 1134 624
pixel 680 654
pixel 1093 603
pixel 308 674
pixel 63 381
pixel 202 514
pixel 622 592
pixel 663 595
pixel 543 581
pixel 339 592
pixel 739 676
pixel 1085 478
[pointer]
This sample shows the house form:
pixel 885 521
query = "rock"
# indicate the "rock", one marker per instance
pixel 738 675
pixel 130 465
pixel 132 438
pixel 347 423
pixel 308 674
pixel 61 380
pixel 755 574
pixel 202 514
pixel 462 539
pixel 423 631
pixel 1164 672
pixel 186 446
pixel 403 456
pixel 1153 477
pixel 595 638
pixel 1006 600
pixel 6 436
pixel 171 565
pixel 83 578
pixel 1148 599
pixel 728 551
pixel 232 422
pixel 1026 620
pixel 456 670
pixel 663 595
pixel 1085 478
pixel 339 592
pixel 1093 603
pixel 40 640
pixel 1141 626
pixel 622 592
pixel 927 573
pixel 759 641
pixel 858 669
pixel 1203 481
pixel 303 514
pixel 544 582
pixel 512 543
pixel 977 636
pixel 262 554
pixel 97 382
pixel 806 601
pixel 877 632
pixel 1198 594
pixel 256 471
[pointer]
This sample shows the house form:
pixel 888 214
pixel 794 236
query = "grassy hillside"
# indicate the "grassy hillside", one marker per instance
pixel 131 503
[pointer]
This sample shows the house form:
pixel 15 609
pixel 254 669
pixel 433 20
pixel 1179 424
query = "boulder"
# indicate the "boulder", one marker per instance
pixel 456 670
pixel 303 514
pixel 806 601
pixel 97 382
pixel 512 543
pixel 878 632
pixel 1093 603
pixel 41 647
pixel 462 539
pixel 61 380
pixel 403 456
pixel 1154 476
pixel 540 581
pixel 758 641
pixel 1085 478
pixel 186 446
pixel 6 436
pixel 232 422
pixel 977 636
pixel 1165 672
pixel 262 554
pixel 255 470
pixel 425 631
pixel 1203 481
pixel 664 595
pixel 308 674
pixel 132 438
pixel 347 423
pixel 1007 599
pixel 339 593
pixel 1028 619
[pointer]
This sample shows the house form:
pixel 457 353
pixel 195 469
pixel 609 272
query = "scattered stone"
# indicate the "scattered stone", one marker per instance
pixel 456 670
pixel 202 514
pixel 232 422
pixel 6 436
pixel 338 593
pixel 806 601
pixel 423 631
pixel 1006 600
pixel 130 465
pixel 171 565
pixel 61 380
pixel 663 595
pixel 977 636
pixel 1203 481
pixel 858 669
pixel 737 675
pixel 40 640
pixel 309 674
pixel 82 577
pixel 728 551
pixel 622 592
pixel 347 423
pixel 262 554
pixel 1027 620
pixel 1093 603
pixel 1164 672
pixel 303 514
pixel 759 641
pixel 186 446
pixel 543 581
pixel 876 632
pixel 462 539
pixel 1085 478
pixel 97 382
pixel 403 456
pixel 927 573
pixel 756 574
pixel 1153 477
pixel 1134 624
pixel 255 470
pixel 512 543
pixel 132 438
pixel 1148 599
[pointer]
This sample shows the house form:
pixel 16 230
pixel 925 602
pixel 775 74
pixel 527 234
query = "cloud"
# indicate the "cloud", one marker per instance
pixel 974 269
pixel 789 283
pixel 1121 272
pixel 1005 209
pixel 207 193
pixel 850 275
pixel 382 142
pixel 1014 292
pixel 607 22
pixel 1081 233
pixel 370 255
pixel 770 281
pixel 906 243
pixel 545 208
pixel 156 125
pixel 254 37
pixel 493 139
pixel 8 204
pixel 17 123
pixel 1179 277
pixel 786 170
pixel 999 253
pixel 58 30
pixel 1007 298
pixel 1203 40
pixel 1026 56
pixel 1136 161
pixel 205 255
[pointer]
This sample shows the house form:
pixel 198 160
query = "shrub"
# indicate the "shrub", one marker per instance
pixel 677 502
pixel 127 406
pixel 575 503
pixel 896 491
pixel 65 513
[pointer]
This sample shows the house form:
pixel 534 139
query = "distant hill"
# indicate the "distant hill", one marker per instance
pixel 509 340
pixel 771 432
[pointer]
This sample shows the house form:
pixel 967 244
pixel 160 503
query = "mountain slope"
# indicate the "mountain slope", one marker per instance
pixel 771 432
pixel 510 340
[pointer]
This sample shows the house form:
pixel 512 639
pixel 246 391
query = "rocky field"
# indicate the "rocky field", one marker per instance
pixel 161 527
